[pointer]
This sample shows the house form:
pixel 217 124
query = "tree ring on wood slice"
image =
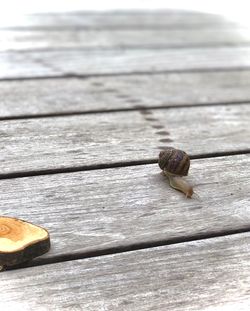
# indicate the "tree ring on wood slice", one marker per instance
pixel 21 241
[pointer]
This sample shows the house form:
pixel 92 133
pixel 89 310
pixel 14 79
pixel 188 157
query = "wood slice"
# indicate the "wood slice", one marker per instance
pixel 21 241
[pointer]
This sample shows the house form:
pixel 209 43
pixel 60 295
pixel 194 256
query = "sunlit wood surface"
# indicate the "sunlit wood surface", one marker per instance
pixel 87 102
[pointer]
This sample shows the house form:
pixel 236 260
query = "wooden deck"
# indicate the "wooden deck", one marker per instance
pixel 87 102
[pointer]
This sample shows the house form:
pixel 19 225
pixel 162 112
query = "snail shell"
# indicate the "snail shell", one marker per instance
pixel 174 161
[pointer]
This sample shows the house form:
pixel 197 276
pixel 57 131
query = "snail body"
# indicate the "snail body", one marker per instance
pixel 175 164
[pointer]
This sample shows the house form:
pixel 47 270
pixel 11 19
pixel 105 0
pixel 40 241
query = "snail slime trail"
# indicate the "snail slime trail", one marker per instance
pixel 175 164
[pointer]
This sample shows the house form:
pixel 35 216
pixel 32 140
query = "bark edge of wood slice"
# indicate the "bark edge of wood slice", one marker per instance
pixel 21 241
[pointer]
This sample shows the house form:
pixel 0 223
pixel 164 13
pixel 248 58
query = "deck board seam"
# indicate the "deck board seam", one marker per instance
pixel 137 109
pixel 113 165
pixel 131 47
pixel 131 27
pixel 132 247
pixel 70 75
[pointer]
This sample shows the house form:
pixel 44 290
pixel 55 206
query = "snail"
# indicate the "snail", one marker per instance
pixel 175 164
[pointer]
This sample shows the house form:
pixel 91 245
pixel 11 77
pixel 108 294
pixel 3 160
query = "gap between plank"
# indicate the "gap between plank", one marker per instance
pixel 130 248
pixel 140 73
pixel 113 165
pixel 123 47
pixel 137 108
pixel 132 27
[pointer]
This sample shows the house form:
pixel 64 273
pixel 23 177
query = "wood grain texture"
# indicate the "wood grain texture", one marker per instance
pixel 205 275
pixel 42 144
pixel 21 241
pixel 117 20
pixel 58 96
pixel 30 64
pixel 100 39
pixel 94 211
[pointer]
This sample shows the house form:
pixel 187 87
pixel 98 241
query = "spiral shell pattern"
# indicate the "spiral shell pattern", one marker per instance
pixel 174 161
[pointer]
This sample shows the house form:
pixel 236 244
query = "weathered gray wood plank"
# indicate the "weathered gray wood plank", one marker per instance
pixel 94 139
pixel 58 96
pixel 211 274
pixel 26 40
pixel 30 64
pixel 92 211
pixel 117 20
